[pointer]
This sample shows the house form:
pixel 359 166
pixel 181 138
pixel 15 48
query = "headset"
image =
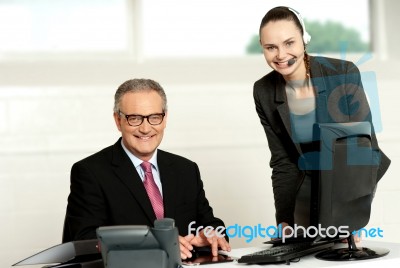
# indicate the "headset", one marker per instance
pixel 306 35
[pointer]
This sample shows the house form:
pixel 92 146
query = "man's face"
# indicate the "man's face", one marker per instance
pixel 144 139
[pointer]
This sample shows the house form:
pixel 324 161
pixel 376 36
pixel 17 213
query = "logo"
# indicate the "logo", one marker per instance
pixel 250 232
pixel 347 96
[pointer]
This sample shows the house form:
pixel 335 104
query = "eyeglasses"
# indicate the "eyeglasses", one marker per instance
pixel 135 120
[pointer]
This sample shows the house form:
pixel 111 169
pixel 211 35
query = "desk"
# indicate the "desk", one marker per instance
pixel 390 260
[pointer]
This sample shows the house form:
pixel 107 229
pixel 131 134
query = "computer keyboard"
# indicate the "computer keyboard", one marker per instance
pixel 285 252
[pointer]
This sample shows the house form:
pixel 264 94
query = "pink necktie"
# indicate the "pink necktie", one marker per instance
pixel 152 190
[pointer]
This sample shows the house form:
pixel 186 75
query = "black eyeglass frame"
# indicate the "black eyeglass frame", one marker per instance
pixel 142 117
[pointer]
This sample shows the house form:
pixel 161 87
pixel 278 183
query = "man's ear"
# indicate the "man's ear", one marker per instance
pixel 117 120
pixel 165 119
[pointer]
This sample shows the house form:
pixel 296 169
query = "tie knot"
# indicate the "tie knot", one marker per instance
pixel 146 166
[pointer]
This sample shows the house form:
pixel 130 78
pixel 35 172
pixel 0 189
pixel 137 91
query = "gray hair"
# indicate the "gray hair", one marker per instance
pixel 138 85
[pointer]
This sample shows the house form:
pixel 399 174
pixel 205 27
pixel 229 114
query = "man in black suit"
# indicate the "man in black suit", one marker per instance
pixel 107 188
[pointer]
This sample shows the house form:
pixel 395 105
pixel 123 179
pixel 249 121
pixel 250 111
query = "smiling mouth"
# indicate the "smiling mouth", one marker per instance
pixel 145 138
pixel 282 63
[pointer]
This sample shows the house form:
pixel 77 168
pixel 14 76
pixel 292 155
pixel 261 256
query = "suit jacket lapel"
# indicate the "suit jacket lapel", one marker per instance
pixel 128 175
pixel 169 183
pixel 318 81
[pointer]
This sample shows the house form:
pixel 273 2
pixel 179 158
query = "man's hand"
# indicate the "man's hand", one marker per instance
pixel 212 240
pixel 187 243
pixel 185 246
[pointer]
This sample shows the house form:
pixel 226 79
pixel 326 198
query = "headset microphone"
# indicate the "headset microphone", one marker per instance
pixel 291 62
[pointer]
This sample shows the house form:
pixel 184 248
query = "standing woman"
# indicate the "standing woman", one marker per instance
pixel 299 92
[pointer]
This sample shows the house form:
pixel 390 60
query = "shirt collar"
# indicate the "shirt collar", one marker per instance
pixel 137 161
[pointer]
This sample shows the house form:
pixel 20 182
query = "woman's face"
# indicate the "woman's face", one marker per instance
pixel 281 41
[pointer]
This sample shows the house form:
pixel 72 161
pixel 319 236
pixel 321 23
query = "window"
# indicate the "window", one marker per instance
pixel 156 28
pixel 182 28
pixel 63 26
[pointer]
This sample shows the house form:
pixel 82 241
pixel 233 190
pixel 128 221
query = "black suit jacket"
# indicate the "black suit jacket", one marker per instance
pixel 340 98
pixel 107 190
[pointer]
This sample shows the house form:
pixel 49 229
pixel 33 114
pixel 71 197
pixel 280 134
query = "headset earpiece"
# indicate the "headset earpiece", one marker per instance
pixel 306 35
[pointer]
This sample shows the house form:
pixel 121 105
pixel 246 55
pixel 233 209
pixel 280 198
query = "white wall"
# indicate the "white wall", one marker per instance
pixel 385 20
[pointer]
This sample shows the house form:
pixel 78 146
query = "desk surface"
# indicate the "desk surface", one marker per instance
pixel 390 260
